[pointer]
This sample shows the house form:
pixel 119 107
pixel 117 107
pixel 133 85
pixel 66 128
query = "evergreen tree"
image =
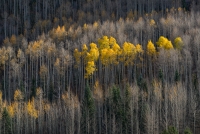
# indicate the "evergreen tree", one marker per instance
pixel 6 122
pixel 126 123
pixel 187 131
pixel 170 130
pixel 117 108
pixel 88 112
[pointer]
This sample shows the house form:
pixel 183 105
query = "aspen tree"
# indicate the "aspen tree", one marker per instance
pixel 31 109
pixel 164 43
pixel 90 68
pixel 151 50
pixel 178 43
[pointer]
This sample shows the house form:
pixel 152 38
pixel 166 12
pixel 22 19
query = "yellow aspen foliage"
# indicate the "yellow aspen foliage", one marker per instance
pixel 169 45
pixel 139 49
pixel 93 46
pixel 109 50
pixel 128 49
pixel 77 56
pixel 90 68
pixel 18 95
pixel 109 56
pixel 31 109
pixel 104 57
pixel 152 22
pixel 36 47
pixel 129 53
pixel 112 40
pixel 58 32
pixel 151 50
pixel 104 42
pixel 116 47
pixel 84 48
pixel 178 43
pixel 118 51
pixel 164 43
pixel 62 29
pixel 11 110
pixel 84 52
pixel 93 54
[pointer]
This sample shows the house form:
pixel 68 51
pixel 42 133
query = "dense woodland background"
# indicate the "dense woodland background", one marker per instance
pixel 114 66
pixel 33 17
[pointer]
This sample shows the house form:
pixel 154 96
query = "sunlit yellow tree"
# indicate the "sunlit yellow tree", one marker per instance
pixel 151 50
pixel 90 68
pixel 109 50
pixel 128 53
pixel 164 43
pixel 104 42
pixel 58 33
pixel 31 109
pixel 93 54
pixel 11 110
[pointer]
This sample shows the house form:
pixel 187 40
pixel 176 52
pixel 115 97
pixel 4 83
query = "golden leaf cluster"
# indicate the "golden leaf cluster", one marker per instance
pixel 18 95
pixel 151 50
pixel 90 68
pixel 109 52
pixel 11 110
pixel 58 33
pixel 31 109
pixel 164 43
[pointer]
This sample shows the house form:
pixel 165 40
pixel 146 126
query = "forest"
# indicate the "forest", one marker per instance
pixel 94 66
